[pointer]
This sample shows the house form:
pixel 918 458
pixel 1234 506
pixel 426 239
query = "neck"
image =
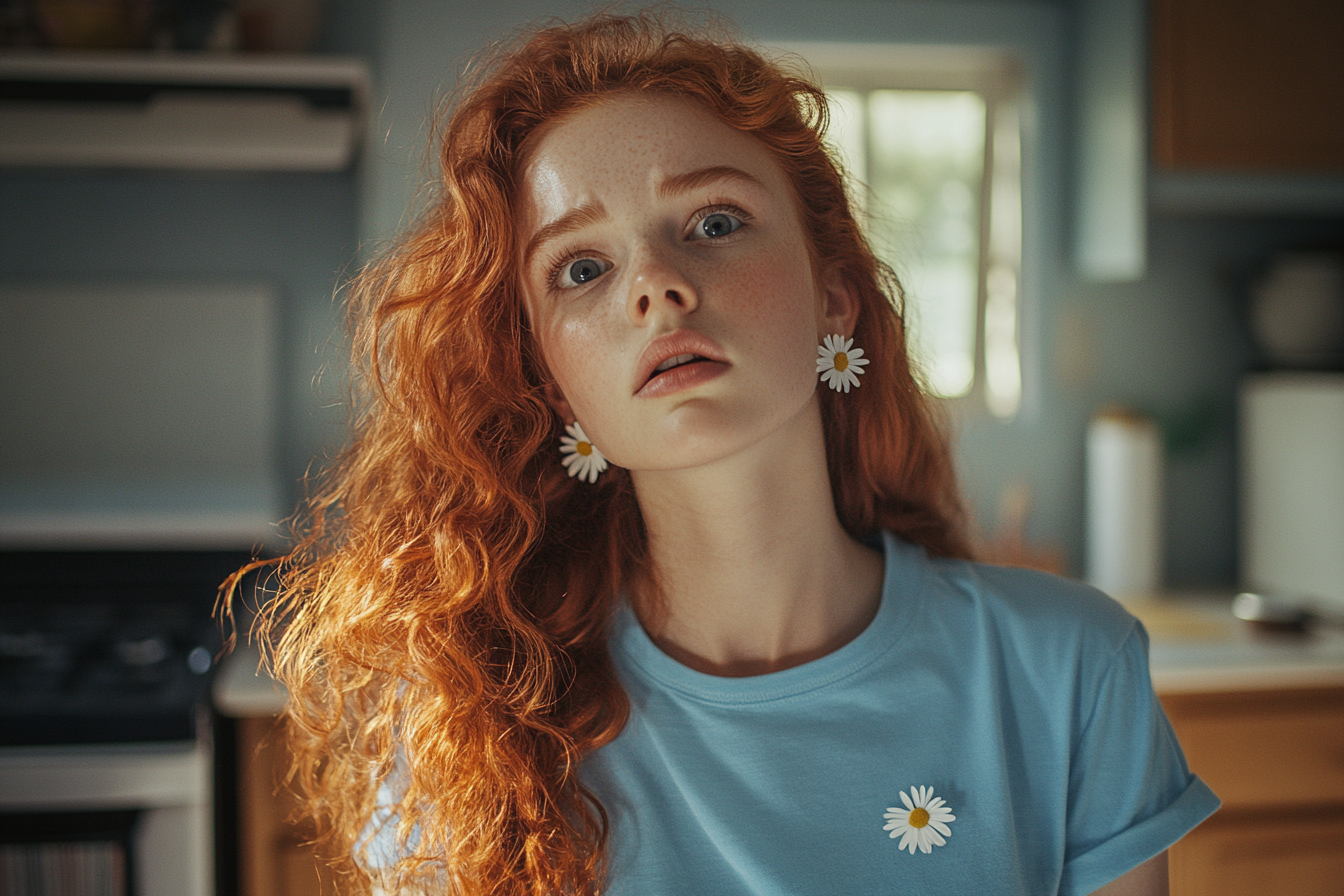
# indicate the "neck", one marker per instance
pixel 754 571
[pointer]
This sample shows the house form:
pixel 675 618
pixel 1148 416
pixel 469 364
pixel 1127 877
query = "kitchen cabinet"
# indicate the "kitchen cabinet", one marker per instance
pixel 1276 759
pixel 274 842
pixel 1239 104
pixel 1110 220
pixel 1248 86
pixel 274 852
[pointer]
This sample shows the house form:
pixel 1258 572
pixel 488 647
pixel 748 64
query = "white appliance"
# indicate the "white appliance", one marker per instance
pixel 1292 486
pixel 139 415
pixel 107 774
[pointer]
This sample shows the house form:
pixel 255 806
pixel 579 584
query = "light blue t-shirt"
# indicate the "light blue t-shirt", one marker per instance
pixel 1022 699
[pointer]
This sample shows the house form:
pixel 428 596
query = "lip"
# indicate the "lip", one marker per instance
pixel 681 342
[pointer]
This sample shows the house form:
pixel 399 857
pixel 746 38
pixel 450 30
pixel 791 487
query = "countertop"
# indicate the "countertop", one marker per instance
pixel 1197 646
pixel 243 688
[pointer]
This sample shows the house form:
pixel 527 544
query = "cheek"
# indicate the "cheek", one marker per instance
pixel 582 360
pixel 776 300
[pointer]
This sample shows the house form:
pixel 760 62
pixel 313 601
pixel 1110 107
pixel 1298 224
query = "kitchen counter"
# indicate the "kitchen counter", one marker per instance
pixel 243 689
pixel 1198 646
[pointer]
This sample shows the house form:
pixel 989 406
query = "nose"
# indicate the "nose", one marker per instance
pixel 657 288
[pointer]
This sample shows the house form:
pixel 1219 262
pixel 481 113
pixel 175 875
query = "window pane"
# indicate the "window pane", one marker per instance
pixel 1003 368
pixel 926 152
pixel 848 141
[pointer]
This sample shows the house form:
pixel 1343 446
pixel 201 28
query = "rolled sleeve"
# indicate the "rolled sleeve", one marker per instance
pixel 1131 795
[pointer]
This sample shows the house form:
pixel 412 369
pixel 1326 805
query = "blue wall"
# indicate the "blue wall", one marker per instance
pixel 294 232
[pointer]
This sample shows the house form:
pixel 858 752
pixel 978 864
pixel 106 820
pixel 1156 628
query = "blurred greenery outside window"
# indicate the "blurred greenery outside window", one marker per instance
pixel 930 138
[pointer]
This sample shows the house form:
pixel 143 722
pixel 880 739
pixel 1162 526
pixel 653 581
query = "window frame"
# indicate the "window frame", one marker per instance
pixel 997 76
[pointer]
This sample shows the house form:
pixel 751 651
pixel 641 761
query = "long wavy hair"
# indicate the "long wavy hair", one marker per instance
pixel 445 610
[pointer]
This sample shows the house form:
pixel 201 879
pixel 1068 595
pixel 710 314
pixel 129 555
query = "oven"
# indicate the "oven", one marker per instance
pixel 108 777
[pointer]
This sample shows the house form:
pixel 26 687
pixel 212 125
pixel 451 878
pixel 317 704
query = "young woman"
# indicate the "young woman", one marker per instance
pixel 645 570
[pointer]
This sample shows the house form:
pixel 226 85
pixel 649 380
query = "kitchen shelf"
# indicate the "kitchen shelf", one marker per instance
pixel 181 110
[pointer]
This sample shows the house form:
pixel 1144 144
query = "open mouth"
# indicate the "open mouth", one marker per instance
pixel 677 361
pixel 684 359
pixel 680 372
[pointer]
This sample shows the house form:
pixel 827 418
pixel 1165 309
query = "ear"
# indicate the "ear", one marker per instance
pixel 556 399
pixel 839 312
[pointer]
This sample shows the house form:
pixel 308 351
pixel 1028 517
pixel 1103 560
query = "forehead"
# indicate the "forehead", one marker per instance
pixel 625 146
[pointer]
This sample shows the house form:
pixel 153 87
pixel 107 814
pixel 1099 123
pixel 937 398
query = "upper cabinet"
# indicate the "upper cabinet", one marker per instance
pixel 1211 107
pixel 1248 86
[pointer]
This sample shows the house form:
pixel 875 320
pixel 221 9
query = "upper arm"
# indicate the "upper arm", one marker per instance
pixel 1148 879
pixel 1131 794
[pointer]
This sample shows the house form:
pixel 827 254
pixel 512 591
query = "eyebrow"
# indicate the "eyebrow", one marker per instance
pixel 570 221
pixel 693 180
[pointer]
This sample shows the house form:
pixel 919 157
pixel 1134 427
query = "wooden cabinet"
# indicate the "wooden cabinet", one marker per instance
pixel 1248 85
pixel 1276 759
pixel 273 855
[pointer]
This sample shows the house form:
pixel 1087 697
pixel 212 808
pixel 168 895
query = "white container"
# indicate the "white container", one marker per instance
pixel 1292 486
pixel 1124 504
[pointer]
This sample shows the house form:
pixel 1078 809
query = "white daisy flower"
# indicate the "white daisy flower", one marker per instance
pixel 581 456
pixel 923 821
pixel 840 363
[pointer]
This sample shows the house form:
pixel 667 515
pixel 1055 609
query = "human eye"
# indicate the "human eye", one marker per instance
pixel 570 272
pixel 717 222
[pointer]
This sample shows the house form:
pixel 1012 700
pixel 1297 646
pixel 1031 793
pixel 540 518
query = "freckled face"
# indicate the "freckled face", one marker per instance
pixel 667 280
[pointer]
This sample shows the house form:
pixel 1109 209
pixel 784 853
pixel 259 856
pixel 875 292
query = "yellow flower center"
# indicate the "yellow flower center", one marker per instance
pixel 841 361
pixel 919 817
pixel 583 448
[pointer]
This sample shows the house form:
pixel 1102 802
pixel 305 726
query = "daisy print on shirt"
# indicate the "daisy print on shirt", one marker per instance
pixel 923 821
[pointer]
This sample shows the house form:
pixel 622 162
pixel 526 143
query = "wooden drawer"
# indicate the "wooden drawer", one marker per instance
pixel 1262 855
pixel 1265 749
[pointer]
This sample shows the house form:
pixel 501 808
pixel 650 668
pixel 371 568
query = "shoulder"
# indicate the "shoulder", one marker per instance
pixel 1043 619
pixel 1038 601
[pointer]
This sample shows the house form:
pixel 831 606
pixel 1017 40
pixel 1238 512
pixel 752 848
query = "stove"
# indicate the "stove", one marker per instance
pixel 107 760
pixel 107 647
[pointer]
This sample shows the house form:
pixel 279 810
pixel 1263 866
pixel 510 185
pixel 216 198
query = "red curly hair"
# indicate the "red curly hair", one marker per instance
pixel 430 609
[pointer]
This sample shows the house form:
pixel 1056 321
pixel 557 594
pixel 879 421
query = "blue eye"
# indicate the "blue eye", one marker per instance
pixel 583 270
pixel 718 224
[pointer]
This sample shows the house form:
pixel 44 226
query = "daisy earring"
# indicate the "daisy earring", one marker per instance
pixel 840 363
pixel 581 456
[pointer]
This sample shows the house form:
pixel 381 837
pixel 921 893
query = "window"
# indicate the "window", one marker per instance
pixel 931 138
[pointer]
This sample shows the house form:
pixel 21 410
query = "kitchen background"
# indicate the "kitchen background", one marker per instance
pixel 1136 285
pixel 1173 340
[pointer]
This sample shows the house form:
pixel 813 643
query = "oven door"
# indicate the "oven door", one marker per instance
pixel 168 785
